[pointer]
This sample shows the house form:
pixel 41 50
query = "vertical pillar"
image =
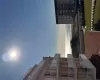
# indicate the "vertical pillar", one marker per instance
pixel 55 64
pixel 72 69
pixel 85 63
pixel 57 56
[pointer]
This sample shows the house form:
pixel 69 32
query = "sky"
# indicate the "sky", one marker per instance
pixel 30 26
pixel 63 39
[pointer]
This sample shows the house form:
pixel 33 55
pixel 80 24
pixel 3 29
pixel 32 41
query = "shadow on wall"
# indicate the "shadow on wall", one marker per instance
pixel 97 26
pixel 75 46
pixel 95 59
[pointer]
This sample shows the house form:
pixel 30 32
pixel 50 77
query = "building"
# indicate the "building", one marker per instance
pixel 92 43
pixel 65 11
pixel 57 68
pixel 77 42
pixel 71 12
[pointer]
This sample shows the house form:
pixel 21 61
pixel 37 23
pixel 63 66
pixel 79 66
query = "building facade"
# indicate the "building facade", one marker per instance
pixel 92 43
pixel 65 11
pixel 57 68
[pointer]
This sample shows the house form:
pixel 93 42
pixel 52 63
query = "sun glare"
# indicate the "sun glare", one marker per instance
pixel 13 55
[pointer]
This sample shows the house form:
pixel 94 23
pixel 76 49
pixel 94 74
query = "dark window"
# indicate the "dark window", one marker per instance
pixel 64 66
pixel 64 75
pixel 66 10
pixel 67 75
pixel 72 2
pixel 53 74
pixel 71 75
pixel 60 6
pixel 61 11
pixel 63 6
pixel 48 73
pixel 66 59
pixel 73 10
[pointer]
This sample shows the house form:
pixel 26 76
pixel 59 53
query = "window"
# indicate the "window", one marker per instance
pixel 64 62
pixel 67 75
pixel 71 1
pixel 66 10
pixel 47 73
pixel 63 11
pixel 64 69
pixel 69 17
pixel 53 73
pixel 69 10
pixel 65 66
pixel 60 12
pixel 61 6
pixel 71 69
pixel 65 59
pixel 50 73
pixel 63 16
pixel 73 10
pixel 71 75
pixel 64 75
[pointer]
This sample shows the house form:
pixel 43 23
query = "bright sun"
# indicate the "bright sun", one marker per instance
pixel 13 54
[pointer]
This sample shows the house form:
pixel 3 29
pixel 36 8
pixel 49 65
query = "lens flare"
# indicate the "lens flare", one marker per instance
pixel 12 54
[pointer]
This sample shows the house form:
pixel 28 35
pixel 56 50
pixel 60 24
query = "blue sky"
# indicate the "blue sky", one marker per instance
pixel 29 25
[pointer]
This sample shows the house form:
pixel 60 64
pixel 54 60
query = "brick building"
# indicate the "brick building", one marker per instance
pixel 92 43
pixel 57 68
